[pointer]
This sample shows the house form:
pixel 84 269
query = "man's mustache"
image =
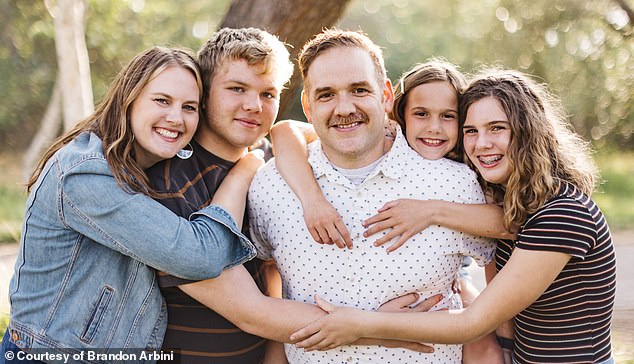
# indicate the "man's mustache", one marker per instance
pixel 357 117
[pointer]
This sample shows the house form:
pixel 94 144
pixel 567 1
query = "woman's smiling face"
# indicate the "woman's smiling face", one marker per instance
pixel 487 136
pixel 164 116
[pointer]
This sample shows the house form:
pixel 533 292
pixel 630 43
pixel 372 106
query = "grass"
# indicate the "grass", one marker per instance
pixel 615 196
pixel 12 201
pixel 12 198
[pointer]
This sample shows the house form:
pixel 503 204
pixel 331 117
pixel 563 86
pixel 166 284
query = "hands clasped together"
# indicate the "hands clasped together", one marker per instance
pixel 345 325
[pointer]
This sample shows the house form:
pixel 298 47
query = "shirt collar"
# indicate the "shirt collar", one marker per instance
pixel 391 166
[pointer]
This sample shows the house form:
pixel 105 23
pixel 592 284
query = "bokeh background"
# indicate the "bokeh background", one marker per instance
pixel 584 51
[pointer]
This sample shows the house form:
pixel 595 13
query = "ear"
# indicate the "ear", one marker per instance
pixel 388 96
pixel 306 106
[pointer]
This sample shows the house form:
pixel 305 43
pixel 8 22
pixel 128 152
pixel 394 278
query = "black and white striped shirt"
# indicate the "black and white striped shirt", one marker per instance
pixel 570 322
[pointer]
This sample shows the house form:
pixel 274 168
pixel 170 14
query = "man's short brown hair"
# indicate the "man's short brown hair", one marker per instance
pixel 331 38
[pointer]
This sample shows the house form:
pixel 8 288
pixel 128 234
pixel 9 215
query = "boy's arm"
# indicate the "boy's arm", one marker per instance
pixel 290 139
pixel 235 296
pixel 232 192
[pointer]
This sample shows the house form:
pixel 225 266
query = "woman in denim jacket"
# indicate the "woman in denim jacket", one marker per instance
pixel 92 235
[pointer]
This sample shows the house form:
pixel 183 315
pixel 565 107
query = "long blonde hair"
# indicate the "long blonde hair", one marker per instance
pixel 111 119
pixel 543 150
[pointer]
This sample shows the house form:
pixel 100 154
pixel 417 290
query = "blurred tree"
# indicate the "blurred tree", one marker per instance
pixel 72 88
pixel 583 50
pixel 72 59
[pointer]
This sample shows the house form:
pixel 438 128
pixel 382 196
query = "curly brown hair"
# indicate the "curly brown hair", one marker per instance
pixel 543 150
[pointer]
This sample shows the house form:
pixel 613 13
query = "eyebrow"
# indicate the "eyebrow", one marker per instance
pixel 352 85
pixel 432 108
pixel 322 89
pixel 246 84
pixel 168 96
pixel 361 83
pixel 493 122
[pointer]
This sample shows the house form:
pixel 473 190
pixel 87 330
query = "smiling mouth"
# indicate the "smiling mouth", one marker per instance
pixel 432 142
pixel 167 133
pixel 349 121
pixel 346 126
pixel 490 160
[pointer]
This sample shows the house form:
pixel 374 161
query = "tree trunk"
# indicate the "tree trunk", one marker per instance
pixel 49 129
pixel 72 93
pixel 293 21
pixel 72 59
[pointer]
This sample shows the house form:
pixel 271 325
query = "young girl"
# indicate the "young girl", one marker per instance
pixel 558 278
pixel 84 276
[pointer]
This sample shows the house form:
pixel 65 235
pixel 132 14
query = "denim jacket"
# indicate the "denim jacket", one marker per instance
pixel 85 273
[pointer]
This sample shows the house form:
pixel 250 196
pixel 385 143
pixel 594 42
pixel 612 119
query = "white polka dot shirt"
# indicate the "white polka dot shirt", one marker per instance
pixel 366 276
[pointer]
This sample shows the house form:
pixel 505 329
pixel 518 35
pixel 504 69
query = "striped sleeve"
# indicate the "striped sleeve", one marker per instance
pixel 564 225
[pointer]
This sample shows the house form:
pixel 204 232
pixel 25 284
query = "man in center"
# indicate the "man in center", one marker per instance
pixel 346 96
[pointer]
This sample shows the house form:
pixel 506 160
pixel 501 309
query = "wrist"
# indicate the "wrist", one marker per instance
pixel 311 196
pixel 438 212
pixel 240 178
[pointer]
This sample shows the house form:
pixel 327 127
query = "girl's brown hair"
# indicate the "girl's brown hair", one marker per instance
pixel 543 149
pixel 111 120
pixel 420 74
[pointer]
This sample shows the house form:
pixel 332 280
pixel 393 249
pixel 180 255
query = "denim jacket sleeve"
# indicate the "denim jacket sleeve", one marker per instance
pixel 93 204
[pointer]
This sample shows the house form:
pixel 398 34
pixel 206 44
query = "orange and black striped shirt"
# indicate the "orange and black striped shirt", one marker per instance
pixel 195 333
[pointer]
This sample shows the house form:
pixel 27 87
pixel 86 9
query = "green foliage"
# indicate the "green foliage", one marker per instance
pixel 615 196
pixel 584 50
pixel 4 322
pixel 27 65
pixel 115 31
